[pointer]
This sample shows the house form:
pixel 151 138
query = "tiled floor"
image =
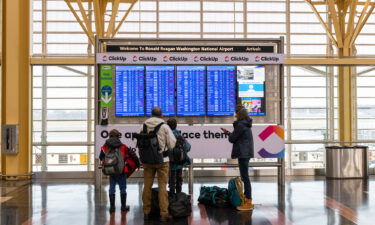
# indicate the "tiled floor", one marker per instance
pixel 304 201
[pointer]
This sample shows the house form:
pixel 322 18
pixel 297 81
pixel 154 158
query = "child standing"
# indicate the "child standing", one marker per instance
pixel 175 170
pixel 114 142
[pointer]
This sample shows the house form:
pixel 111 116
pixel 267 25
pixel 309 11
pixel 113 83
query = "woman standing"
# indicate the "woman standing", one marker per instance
pixel 243 150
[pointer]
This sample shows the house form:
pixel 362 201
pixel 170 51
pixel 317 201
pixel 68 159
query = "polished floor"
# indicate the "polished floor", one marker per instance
pixel 304 201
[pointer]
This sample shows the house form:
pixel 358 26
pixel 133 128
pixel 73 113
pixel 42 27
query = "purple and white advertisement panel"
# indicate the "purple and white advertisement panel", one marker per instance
pixel 208 141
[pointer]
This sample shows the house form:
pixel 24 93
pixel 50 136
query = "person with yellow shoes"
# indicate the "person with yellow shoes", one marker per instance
pixel 243 150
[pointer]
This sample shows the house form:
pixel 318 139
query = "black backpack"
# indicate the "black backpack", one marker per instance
pixel 113 162
pixel 179 155
pixel 179 205
pixel 148 145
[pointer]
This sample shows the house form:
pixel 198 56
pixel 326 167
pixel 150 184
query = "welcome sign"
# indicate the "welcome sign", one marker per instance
pixel 207 141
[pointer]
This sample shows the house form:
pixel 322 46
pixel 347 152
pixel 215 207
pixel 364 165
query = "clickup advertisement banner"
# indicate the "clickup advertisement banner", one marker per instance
pixel 189 58
pixel 207 141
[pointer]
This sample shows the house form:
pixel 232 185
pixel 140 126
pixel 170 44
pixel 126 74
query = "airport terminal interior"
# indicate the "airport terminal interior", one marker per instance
pixel 287 83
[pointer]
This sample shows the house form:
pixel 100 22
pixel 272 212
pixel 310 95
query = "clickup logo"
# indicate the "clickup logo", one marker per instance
pixel 105 58
pixel 135 59
pixel 165 58
pixel 196 59
pixel 226 58
pixel 257 58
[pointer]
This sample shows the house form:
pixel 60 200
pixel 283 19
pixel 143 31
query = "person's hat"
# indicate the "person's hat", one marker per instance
pixel 239 107
pixel 114 133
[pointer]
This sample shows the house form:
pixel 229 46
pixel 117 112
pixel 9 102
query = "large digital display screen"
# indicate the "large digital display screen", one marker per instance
pixel 251 88
pixel 160 89
pixel 191 96
pixel 130 91
pixel 221 90
pixel 189 90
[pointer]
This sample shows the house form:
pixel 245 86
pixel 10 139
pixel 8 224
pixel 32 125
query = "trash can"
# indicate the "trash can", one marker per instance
pixel 346 162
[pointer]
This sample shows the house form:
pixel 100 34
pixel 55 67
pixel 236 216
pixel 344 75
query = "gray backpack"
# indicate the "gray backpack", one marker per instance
pixel 113 162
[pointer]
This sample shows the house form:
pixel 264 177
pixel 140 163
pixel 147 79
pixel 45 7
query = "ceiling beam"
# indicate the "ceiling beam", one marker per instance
pixel 350 26
pixel 325 3
pixel 121 1
pixel 336 23
pixel 85 20
pixel 124 18
pixel 111 25
pixel 361 22
pixel 313 8
pixel 91 39
pixel 100 10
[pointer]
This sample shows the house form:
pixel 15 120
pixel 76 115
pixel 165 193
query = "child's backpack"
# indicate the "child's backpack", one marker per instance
pixel 178 155
pixel 235 189
pixel 148 145
pixel 214 196
pixel 113 162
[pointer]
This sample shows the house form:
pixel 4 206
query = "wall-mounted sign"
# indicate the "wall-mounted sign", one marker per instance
pixel 106 85
pixel 189 48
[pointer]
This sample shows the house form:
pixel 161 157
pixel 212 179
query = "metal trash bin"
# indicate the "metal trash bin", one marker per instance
pixel 346 162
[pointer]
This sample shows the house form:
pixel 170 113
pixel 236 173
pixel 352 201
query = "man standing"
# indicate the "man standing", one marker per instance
pixel 166 141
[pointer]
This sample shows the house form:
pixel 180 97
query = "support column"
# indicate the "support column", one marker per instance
pixel 343 16
pixel 345 97
pixel 16 102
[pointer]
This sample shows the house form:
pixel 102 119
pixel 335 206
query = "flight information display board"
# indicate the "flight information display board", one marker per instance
pixel 191 96
pixel 221 90
pixel 130 91
pixel 160 89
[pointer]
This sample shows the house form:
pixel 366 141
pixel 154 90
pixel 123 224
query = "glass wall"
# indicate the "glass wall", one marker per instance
pixel 365 76
pixel 62 35
pixel 63 95
pixel 63 113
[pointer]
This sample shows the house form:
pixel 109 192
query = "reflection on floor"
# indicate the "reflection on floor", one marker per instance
pixel 304 200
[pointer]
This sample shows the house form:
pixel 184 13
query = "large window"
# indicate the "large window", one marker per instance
pixel 365 104
pixel 62 118
pixel 310 106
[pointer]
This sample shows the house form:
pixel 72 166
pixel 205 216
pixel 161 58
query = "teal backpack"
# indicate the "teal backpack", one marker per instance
pixel 235 189
pixel 214 196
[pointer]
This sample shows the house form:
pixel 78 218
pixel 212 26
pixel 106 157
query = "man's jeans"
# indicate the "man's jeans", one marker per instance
pixel 149 174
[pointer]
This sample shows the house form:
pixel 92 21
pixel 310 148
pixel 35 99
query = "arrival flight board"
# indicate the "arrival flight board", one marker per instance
pixel 130 91
pixel 221 90
pixel 160 89
pixel 191 85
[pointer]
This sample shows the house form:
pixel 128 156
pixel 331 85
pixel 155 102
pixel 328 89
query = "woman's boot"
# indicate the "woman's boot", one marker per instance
pixel 112 207
pixel 124 207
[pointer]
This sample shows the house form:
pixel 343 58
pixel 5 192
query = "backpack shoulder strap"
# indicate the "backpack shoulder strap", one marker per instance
pixel 158 127
pixel 239 187
pixel 110 150
pixel 144 128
